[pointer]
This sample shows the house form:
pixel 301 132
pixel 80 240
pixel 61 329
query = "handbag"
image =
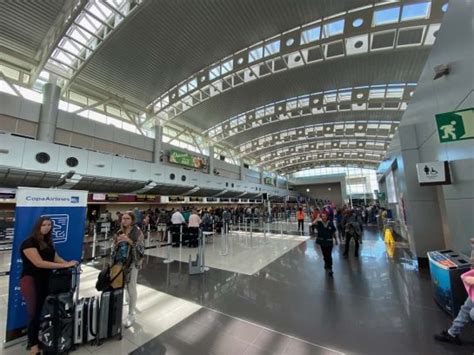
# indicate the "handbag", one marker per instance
pixel 110 277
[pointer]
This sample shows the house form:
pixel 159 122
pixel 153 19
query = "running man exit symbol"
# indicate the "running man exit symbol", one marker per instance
pixel 455 126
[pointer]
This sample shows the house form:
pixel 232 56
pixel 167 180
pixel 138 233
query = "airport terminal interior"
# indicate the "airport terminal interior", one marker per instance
pixel 297 176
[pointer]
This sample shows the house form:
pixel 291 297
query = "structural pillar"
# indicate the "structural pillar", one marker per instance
pixel 158 142
pixel 211 159
pixel 49 112
pixel 261 176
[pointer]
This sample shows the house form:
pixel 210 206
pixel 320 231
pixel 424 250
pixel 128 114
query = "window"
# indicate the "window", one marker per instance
pixel 415 11
pixel 334 28
pixel 255 54
pixel 214 72
pixel 386 16
pixel 272 48
pixel 310 35
pixel 227 67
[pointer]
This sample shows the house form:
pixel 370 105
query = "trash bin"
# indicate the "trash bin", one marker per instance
pixel 446 267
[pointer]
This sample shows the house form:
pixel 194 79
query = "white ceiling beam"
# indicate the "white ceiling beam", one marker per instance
pixel 70 11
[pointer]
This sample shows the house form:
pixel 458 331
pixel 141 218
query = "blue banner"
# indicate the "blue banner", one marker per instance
pixel 67 210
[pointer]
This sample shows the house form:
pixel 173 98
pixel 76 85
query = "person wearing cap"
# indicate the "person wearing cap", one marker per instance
pixel 466 313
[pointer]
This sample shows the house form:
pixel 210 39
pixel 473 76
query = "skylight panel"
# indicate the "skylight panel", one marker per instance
pixel 255 54
pixel 386 16
pixel 269 110
pixel 290 105
pixel 80 36
pixel 376 93
pixel 227 66
pixel 415 11
pixel 334 28
pixel 394 93
pixel 272 48
pixel 345 95
pixel 310 35
pixel 70 46
pixel 183 89
pixel 330 98
pixel 214 72
pixel 304 102
pixel 192 84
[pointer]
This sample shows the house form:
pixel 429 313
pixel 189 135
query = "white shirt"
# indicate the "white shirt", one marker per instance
pixel 194 220
pixel 177 218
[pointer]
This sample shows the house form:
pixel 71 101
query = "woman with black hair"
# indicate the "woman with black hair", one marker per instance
pixel 39 257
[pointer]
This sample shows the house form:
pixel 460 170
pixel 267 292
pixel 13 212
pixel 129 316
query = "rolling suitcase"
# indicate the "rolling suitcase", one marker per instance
pixel 79 321
pixel 56 329
pixel 91 309
pixel 103 323
pixel 115 313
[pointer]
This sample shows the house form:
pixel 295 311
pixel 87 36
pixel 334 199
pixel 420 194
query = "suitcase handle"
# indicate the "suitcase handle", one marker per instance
pixel 91 317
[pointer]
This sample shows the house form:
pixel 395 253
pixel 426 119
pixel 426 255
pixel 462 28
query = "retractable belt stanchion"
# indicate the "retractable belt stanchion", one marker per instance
pixel 251 234
pixel 180 236
pixel 148 237
pixel 94 244
pixel 168 250
pixel 198 266
pixel 281 226
pixel 225 239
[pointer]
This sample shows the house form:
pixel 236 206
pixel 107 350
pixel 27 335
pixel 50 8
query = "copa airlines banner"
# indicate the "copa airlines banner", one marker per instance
pixel 67 210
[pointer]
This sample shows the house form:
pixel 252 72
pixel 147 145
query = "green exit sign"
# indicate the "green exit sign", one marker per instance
pixel 456 125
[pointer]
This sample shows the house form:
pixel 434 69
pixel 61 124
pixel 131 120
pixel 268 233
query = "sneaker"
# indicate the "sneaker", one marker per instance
pixel 445 337
pixel 129 321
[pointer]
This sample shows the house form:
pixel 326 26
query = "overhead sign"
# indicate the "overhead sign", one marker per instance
pixel 183 158
pixel 456 125
pixel 433 173
pixel 67 210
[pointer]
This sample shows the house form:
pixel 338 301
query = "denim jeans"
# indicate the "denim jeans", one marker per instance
pixel 464 317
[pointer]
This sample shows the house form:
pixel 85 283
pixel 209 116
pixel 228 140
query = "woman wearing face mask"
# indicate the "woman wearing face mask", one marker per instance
pixel 39 257
pixel 326 234
pixel 132 235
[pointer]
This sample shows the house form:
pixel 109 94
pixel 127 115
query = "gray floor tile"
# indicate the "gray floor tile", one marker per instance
pixel 271 341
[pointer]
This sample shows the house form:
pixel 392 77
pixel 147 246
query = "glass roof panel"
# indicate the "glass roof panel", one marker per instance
pixel 310 35
pixel 415 11
pixel 334 28
pixel 386 16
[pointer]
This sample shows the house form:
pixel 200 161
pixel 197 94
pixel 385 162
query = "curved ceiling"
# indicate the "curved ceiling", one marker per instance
pixel 200 63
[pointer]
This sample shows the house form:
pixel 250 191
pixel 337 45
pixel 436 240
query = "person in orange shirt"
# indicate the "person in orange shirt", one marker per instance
pixel 300 219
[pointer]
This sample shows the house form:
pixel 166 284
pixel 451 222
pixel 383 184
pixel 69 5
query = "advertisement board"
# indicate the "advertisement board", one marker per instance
pixel 186 159
pixel 67 210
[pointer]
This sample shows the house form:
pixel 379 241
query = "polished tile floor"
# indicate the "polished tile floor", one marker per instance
pixel 379 303
pixel 241 253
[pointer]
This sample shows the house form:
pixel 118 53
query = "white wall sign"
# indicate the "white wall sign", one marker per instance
pixel 433 173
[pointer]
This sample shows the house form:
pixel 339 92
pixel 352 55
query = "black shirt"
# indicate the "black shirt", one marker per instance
pixel 325 233
pixel 47 253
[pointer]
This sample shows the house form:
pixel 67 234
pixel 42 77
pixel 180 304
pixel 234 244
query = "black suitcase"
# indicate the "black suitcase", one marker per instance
pixel 115 313
pixel 56 328
pixel 90 323
pixel 64 280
